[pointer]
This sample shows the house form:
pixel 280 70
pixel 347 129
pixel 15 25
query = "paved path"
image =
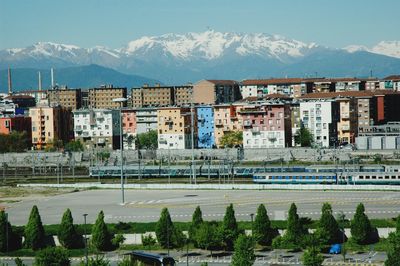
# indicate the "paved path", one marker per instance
pixel 146 205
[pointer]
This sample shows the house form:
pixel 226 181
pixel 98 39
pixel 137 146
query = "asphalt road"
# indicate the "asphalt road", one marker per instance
pixel 146 205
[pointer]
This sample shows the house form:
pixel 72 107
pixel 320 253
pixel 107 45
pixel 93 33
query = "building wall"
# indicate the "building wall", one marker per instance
pixel 226 119
pixel 347 127
pixel 97 128
pixel 146 120
pixel 174 125
pixel 295 121
pixel 70 98
pixel 102 98
pixel 183 95
pixel 317 116
pixel 263 126
pixel 129 128
pixel 204 92
pixel 205 127
pixel 16 124
pixel 248 91
pixel 46 126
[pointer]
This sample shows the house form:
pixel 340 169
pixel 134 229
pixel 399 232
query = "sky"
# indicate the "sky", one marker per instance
pixel 113 23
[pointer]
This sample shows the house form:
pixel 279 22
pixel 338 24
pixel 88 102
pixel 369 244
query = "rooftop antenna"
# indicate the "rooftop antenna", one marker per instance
pixel 52 78
pixel 9 82
pixel 39 81
pixel 370 73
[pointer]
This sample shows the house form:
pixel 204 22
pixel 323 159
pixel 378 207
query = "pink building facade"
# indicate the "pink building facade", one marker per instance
pixel 129 127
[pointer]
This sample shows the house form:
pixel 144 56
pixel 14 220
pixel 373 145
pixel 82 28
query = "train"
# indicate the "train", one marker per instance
pixel 355 178
pixel 315 174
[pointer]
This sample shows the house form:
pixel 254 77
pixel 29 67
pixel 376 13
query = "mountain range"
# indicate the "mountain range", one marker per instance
pixel 182 58
pixel 88 76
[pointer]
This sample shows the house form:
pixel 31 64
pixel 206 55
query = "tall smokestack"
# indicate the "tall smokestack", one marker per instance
pixel 40 81
pixel 52 78
pixel 9 82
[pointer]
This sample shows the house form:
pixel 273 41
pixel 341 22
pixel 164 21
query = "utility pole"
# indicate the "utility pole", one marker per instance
pixel 192 136
pixel 86 248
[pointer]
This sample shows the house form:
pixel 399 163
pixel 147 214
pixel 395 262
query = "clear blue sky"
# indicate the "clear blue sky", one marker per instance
pixel 112 23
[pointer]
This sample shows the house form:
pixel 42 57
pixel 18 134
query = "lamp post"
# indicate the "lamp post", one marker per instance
pixel 6 232
pixel 251 217
pixel 121 101
pixel 86 249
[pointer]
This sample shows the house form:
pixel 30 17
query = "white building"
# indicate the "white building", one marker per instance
pixel 320 117
pixel 146 119
pixel 97 128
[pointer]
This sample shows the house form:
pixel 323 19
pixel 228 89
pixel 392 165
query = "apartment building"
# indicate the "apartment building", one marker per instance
pixel 266 125
pixel 320 116
pixel 347 126
pixel 146 119
pixel 371 84
pixel 102 98
pixel 295 119
pixel 293 87
pixel 216 92
pixel 129 127
pixel 205 127
pixel 183 95
pixel 174 128
pixel 64 97
pixel 349 84
pixel 227 118
pixel 22 100
pixel 152 96
pixel 97 128
pixel 390 83
pixel 50 124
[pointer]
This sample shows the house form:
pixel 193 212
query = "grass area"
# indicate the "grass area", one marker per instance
pixel 20 192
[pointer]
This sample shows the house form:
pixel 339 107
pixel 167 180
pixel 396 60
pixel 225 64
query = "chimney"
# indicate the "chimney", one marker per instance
pixel 40 81
pixel 9 82
pixel 52 78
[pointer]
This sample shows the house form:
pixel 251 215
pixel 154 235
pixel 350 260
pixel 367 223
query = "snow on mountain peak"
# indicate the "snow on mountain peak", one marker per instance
pixel 213 44
pixel 389 48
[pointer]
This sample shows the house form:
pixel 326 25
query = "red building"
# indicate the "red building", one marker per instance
pixel 15 124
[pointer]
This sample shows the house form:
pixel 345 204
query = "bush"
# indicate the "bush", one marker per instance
pixel 208 236
pixel 118 240
pixel 244 251
pixel 197 220
pixel 148 241
pixel 52 256
pixel 96 261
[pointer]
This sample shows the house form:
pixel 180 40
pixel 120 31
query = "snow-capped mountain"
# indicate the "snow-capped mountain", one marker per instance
pixel 388 48
pixel 177 58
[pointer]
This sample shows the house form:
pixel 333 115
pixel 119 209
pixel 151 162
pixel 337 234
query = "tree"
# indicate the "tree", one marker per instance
pixel 360 226
pixel 229 230
pixel 34 231
pixel 197 220
pixel 398 224
pixel 208 236
pixel 262 230
pixel 67 234
pixel 244 251
pixel 9 240
pixel 52 256
pixel 294 232
pixel 328 231
pixel 167 235
pixel 232 139
pixel 312 257
pixel 304 137
pixel 101 237
pixel 14 142
pixel 148 140
pixel 74 145
pixel 393 258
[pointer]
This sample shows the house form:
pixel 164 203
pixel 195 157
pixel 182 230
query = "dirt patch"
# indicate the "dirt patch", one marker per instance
pixel 15 194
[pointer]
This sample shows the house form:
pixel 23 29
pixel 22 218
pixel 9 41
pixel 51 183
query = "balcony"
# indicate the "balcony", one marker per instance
pixel 345 128
pixel 169 122
pixel 218 123
pixel 247 123
pixel 345 116
pixel 255 130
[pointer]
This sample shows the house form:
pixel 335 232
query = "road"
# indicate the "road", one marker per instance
pixel 146 205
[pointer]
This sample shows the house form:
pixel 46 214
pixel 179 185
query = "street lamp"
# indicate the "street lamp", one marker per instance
pixel 251 217
pixel 86 249
pixel 121 102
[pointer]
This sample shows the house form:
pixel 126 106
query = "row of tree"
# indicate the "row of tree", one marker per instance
pixel 15 142
pixel 35 236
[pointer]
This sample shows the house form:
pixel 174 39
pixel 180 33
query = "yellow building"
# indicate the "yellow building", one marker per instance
pixel 50 124
pixel 226 119
pixel 347 126
pixel 174 128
